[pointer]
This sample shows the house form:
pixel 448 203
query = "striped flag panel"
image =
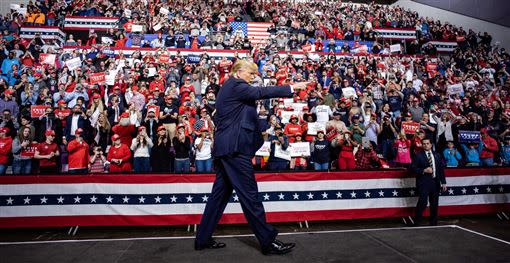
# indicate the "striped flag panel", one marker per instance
pixel 395 33
pixel 180 199
pixel 46 32
pixel 88 23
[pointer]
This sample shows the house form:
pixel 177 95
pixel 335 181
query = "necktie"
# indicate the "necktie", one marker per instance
pixel 431 163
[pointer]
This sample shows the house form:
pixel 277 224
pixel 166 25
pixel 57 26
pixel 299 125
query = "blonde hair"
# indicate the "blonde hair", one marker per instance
pixel 243 64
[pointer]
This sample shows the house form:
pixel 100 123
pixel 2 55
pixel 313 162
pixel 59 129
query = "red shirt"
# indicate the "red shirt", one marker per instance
pixel 5 149
pixel 46 149
pixel 125 132
pixel 78 154
pixel 122 152
pixel 291 130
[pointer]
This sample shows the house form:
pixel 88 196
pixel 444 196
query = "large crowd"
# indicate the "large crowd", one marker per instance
pixel 359 112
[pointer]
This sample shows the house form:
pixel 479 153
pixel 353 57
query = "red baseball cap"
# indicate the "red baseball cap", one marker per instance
pixel 49 132
pixel 140 128
pixel 115 137
pixel 78 131
pixel 125 115
pixel 160 128
pixel 4 130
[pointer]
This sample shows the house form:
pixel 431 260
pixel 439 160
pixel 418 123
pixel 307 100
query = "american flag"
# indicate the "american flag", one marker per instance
pixel 256 32
pixel 95 200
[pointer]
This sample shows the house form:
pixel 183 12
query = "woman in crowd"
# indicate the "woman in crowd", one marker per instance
pixel 119 156
pixel 160 152
pixel 403 151
pixel 346 157
pixel 320 152
pixel 141 147
pixel 102 131
pixel 23 151
pixel 298 163
pixel 203 150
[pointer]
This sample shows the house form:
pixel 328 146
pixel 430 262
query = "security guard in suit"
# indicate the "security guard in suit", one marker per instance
pixel 430 179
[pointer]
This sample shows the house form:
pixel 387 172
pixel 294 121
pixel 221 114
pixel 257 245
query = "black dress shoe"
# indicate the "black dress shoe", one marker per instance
pixel 213 244
pixel 278 248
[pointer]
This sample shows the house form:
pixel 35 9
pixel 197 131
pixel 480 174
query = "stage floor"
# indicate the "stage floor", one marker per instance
pixel 449 243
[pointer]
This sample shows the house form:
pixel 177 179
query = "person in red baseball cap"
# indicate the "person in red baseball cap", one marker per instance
pixel 5 149
pixel 168 116
pixel 182 146
pixel 298 163
pixel 9 103
pixel 292 128
pixel 119 156
pixel 78 158
pixel 125 129
pixel 47 153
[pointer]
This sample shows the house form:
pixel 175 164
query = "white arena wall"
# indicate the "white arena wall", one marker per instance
pixel 499 33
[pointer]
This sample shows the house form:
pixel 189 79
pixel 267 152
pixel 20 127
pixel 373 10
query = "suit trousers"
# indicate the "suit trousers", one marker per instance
pixel 235 172
pixel 428 192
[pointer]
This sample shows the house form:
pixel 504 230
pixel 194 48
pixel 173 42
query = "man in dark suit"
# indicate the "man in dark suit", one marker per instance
pixel 74 121
pixel 237 139
pixel 429 170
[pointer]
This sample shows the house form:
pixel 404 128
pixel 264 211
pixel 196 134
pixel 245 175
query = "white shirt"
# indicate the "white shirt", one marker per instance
pixel 429 153
pixel 205 152
pixel 417 83
pixel 74 123
pixel 323 112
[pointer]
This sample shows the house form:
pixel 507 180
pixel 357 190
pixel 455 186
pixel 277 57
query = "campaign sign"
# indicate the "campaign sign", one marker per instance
pixel 37 111
pixel 108 52
pixel 29 151
pixel 264 150
pixel 156 109
pixel 97 78
pixel 285 116
pixel 313 127
pixel 48 59
pixel 298 149
pixel 455 89
pixel 410 127
pixel 164 58
pixel 469 136
pixel 280 153
pixel 73 63
pixel 193 59
pixel 62 113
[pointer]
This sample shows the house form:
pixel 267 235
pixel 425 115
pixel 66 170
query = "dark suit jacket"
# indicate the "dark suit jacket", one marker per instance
pixel 236 119
pixel 154 131
pixel 82 123
pixel 420 162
